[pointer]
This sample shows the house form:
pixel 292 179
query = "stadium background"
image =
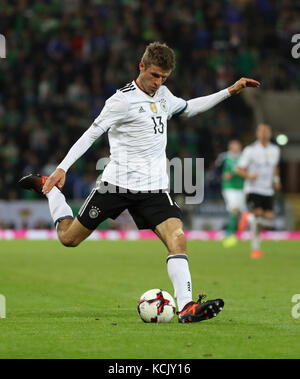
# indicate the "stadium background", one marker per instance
pixel 66 57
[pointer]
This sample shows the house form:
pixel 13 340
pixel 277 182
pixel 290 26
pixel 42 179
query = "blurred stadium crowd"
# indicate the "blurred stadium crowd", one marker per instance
pixel 66 57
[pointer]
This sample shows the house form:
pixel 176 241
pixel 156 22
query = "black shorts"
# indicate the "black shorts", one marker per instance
pixel 147 209
pixel 255 201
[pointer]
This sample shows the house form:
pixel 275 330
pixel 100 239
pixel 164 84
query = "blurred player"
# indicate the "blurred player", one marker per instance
pixel 232 190
pixel 136 120
pixel 259 167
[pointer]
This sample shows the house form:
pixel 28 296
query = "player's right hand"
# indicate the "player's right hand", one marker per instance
pixel 57 178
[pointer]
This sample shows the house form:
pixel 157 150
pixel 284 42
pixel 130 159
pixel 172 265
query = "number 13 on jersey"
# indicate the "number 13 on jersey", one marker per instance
pixel 158 125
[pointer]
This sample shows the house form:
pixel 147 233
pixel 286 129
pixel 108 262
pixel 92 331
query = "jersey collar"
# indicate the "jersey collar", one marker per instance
pixel 143 92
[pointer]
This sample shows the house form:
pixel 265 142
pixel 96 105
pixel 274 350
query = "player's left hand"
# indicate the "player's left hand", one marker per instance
pixel 238 86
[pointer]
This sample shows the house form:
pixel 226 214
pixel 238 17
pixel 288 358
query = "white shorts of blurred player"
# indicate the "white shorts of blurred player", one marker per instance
pixel 234 199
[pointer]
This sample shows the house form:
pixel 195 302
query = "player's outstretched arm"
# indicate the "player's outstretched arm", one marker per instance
pixel 57 178
pixel 204 103
pixel 115 109
pixel 242 83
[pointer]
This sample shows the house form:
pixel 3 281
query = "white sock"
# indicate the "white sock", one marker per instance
pixel 179 273
pixel 59 209
pixel 255 231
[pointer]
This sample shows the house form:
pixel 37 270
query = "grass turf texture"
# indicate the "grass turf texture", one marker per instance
pixel 81 303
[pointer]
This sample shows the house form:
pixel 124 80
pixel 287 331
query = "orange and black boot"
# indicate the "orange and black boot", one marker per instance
pixel 198 311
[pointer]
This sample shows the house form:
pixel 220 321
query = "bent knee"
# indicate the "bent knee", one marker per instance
pixel 268 215
pixel 258 212
pixel 69 242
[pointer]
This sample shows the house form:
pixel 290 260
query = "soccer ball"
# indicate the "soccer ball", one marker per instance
pixel 156 306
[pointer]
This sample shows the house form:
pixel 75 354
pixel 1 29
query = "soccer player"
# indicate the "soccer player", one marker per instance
pixel 259 167
pixel 136 120
pixel 232 190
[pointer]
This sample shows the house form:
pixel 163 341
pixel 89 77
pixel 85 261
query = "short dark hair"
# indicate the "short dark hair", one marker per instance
pixel 160 55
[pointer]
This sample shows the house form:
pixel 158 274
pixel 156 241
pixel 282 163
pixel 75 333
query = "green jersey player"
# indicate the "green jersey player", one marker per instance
pixel 232 190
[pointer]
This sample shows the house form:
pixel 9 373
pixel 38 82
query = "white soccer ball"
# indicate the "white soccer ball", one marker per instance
pixel 156 306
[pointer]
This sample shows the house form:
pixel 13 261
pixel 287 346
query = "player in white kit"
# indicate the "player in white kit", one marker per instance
pixel 136 120
pixel 259 166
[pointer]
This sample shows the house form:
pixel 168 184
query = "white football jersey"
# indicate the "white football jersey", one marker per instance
pixel 137 133
pixel 260 161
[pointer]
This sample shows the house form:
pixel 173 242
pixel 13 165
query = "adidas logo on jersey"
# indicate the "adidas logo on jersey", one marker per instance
pixel 142 110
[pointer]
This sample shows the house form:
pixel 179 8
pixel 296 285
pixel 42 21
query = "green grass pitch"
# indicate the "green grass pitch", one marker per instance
pixel 82 303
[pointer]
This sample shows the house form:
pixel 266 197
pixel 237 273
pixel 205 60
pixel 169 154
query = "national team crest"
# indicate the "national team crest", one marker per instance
pixel 94 212
pixel 163 105
pixel 153 107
